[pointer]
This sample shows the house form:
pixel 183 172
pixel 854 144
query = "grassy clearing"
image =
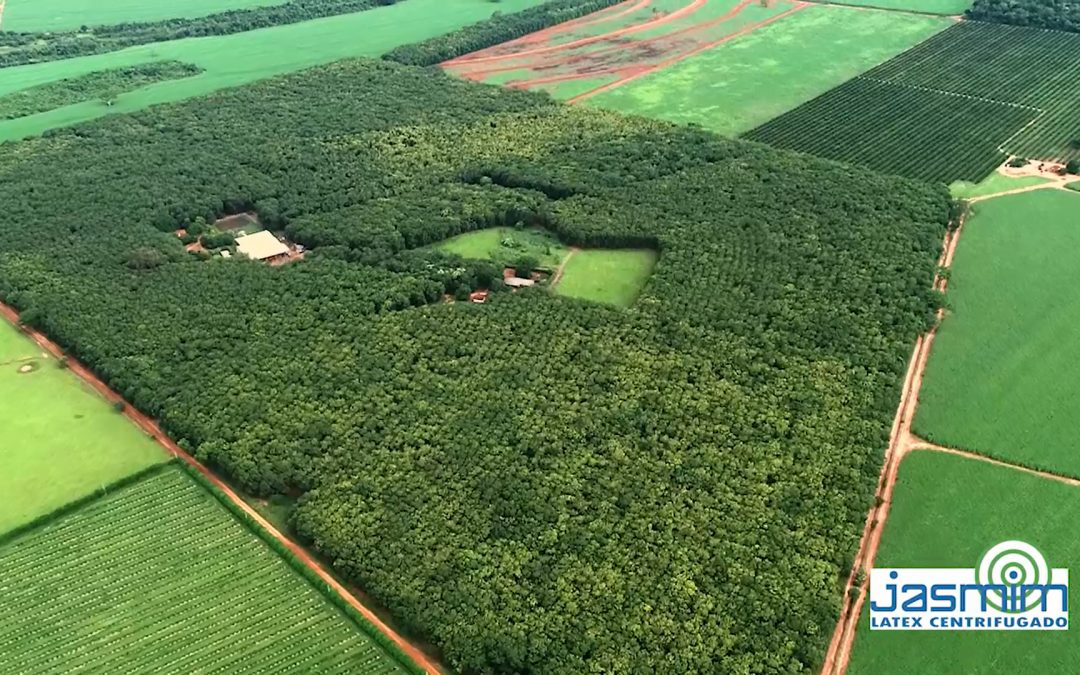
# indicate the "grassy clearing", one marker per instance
pixel 60 440
pixel 506 244
pixel 943 7
pixel 615 277
pixel 232 60
pixel 993 184
pixel 1004 375
pixel 56 15
pixel 947 512
pixel 800 56
pixel 159 576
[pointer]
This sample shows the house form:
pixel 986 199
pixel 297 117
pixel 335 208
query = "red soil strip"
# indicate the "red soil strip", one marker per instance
pixel 154 431
pixel 697 50
pixel 477 57
pixel 557 277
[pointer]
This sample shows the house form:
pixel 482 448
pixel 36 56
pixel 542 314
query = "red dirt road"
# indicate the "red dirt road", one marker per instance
pixel 153 430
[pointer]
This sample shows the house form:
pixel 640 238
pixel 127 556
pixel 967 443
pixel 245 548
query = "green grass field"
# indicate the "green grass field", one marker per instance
pixel 504 244
pixel 159 577
pixel 943 7
pixel 993 183
pixel 947 511
pixel 800 56
pixel 56 15
pixel 615 277
pixel 1004 374
pixel 60 440
pixel 232 60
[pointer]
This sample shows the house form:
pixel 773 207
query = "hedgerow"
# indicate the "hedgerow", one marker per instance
pixel 536 484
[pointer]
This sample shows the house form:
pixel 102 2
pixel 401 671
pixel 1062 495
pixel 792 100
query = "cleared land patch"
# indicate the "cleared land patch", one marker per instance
pixel 947 511
pixel 950 109
pixel 60 441
pixel 615 277
pixel 232 60
pixel 1002 379
pixel 801 56
pixel 505 245
pixel 54 15
pixel 159 575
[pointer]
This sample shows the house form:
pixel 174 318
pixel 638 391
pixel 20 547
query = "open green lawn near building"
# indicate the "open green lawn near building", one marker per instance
pixel 159 577
pixel 59 440
pixel 947 511
pixel 504 244
pixel 800 56
pixel 993 184
pixel 56 15
pixel 231 60
pixel 1004 374
pixel 612 276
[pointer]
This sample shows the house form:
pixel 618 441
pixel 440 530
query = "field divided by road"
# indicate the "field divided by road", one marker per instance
pixel 947 511
pixel 60 441
pixel 951 108
pixel 159 577
pixel 232 60
pixel 1003 379
pixel 55 15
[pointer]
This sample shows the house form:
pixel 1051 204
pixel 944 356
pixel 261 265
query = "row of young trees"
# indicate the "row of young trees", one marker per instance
pixel 1052 14
pixel 536 484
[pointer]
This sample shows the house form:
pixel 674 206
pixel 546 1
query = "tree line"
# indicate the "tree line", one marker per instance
pixel 535 484
pixel 1052 14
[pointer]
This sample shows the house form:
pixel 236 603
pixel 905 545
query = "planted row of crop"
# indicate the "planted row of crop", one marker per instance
pixel 157 577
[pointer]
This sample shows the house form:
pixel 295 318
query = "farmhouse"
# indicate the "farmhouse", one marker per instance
pixel 262 246
pixel 518 282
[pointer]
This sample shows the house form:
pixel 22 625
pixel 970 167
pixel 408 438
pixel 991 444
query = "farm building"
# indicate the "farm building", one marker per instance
pixel 518 282
pixel 262 246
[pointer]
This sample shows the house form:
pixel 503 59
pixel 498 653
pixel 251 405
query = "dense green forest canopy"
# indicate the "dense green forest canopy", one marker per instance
pixel 1053 14
pixel 536 484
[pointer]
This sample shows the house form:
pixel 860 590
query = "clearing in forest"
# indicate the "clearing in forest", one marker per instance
pixel 947 511
pixel 612 276
pixel 58 15
pixel 159 576
pixel 953 108
pixel 60 440
pixel 505 245
pixel 231 60
pixel 1004 376
pixel 800 57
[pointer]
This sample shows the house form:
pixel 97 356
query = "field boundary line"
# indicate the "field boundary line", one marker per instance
pixel 155 432
pixel 557 277
pixel 891 10
pixel 1001 148
pixel 901 442
pixel 932 90
pixel 927 446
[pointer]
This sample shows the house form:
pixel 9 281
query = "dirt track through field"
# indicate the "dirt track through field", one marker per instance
pixel 557 277
pixel 154 431
pixel 2 3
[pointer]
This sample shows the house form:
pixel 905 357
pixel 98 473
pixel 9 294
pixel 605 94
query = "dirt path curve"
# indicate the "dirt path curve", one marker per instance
pixel 901 442
pixel 557 277
pixel 152 429
pixel 478 57
pixel 1052 185
pixel 920 444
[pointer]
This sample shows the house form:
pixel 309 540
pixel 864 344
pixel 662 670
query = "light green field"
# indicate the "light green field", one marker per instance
pixel 58 439
pixel 232 60
pixel 504 244
pixel 1004 374
pixel 799 57
pixel 947 511
pixel 993 184
pixel 57 15
pixel 614 276
pixel 943 7
pixel 159 577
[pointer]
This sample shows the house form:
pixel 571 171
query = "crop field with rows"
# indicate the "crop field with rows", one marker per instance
pixel 159 577
pixel 950 109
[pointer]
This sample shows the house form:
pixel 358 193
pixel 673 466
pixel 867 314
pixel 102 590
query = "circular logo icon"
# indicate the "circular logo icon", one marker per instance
pixel 1015 566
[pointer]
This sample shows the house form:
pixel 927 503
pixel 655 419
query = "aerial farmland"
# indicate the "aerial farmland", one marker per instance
pixel 539 336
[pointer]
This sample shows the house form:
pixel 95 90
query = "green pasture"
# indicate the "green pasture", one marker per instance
pixel 60 441
pixel 504 244
pixel 232 60
pixel 159 577
pixel 993 184
pixel 57 15
pixel 943 7
pixel 1003 377
pixel 799 57
pixel 946 512
pixel 612 276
